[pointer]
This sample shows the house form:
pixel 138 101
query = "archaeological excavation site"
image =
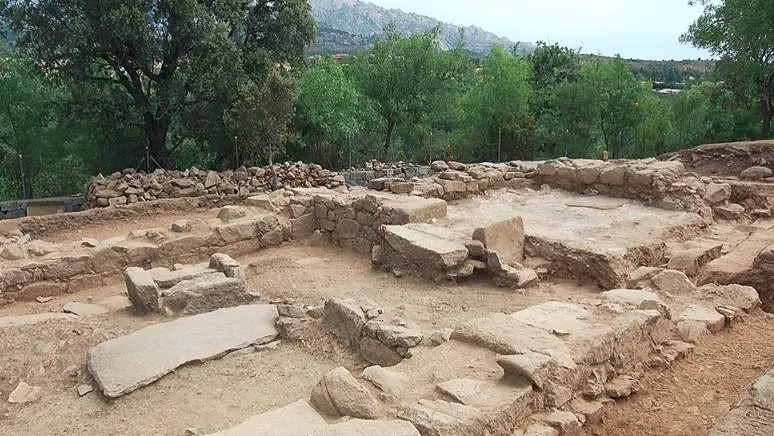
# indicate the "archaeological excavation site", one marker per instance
pixel 563 297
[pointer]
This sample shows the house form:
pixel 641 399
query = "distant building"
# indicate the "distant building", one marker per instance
pixel 669 91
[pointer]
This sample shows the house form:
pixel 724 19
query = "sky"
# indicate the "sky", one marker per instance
pixel 632 28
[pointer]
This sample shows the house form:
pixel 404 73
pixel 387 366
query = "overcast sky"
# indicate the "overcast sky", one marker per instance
pixel 632 28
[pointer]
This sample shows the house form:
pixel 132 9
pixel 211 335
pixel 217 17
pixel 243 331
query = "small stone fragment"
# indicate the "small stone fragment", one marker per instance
pixel 620 387
pixel 84 389
pixel 43 299
pixel 290 311
pixel 566 422
pixel 675 282
pixel 441 336
pixel 24 393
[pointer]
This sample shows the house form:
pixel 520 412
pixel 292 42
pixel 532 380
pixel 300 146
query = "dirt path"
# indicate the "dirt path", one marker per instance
pixel 687 398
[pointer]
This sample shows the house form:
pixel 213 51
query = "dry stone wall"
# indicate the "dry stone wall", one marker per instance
pixel 45 269
pixel 356 221
pixel 130 187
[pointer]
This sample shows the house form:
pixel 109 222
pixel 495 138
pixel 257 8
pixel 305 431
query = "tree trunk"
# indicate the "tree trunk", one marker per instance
pixel 388 139
pixel 768 114
pixel 156 134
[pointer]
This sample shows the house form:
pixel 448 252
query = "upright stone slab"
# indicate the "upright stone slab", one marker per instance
pixel 504 237
pixel 127 363
pixel 142 289
pixel 297 419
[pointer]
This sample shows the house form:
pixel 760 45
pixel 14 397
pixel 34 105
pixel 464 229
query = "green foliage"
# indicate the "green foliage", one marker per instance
pixel 217 85
pixel 53 153
pixel 261 116
pixel 497 107
pixel 331 113
pixel 181 63
pixel 739 31
pixel 407 78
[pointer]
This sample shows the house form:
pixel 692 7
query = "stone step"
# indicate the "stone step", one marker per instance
pixel 127 363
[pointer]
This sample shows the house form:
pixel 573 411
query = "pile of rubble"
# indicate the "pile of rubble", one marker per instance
pixel 376 165
pixel 130 187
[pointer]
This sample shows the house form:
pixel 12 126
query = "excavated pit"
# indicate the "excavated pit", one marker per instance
pixel 398 352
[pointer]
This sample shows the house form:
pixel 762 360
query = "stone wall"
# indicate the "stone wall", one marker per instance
pixel 355 221
pixel 35 268
pixel 129 187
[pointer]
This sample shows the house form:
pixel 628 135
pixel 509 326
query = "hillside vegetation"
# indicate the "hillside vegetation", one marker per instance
pixel 225 89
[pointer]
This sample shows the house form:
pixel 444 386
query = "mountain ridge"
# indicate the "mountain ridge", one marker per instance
pixel 364 22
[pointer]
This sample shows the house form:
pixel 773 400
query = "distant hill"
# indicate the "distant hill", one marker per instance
pixel 347 26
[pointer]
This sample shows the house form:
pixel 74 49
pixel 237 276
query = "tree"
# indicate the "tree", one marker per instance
pixel 553 65
pixel 173 57
pixel 619 101
pixel 261 116
pixel 740 32
pixel 405 75
pixel 568 124
pixel 51 155
pixel 331 111
pixel 498 104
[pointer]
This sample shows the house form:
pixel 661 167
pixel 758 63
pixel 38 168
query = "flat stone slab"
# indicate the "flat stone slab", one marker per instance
pixel 487 393
pixel 505 334
pixel 15 321
pixel 84 309
pixel 416 209
pixel 297 419
pixel 555 316
pixel 127 363
pixel 638 299
pixel 360 427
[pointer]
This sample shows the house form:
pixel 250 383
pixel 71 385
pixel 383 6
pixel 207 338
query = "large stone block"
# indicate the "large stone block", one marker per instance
pixel 340 394
pixel 143 290
pixel 504 237
pixel 345 319
pixel 203 294
pixel 304 226
pixel 429 247
pixel 415 210
pixel 227 265
pixel 237 231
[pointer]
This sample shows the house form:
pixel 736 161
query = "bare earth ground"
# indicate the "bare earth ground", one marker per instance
pixel 118 227
pixel 222 393
pixel 687 398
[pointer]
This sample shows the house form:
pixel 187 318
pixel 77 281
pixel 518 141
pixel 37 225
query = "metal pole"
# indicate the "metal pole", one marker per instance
pixel 21 171
pixel 499 145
